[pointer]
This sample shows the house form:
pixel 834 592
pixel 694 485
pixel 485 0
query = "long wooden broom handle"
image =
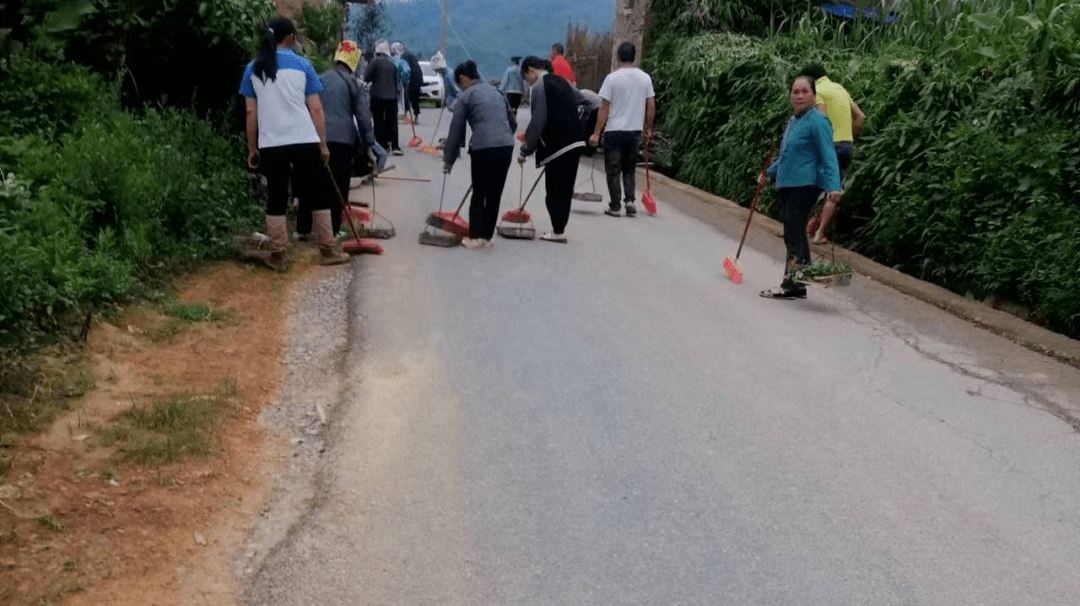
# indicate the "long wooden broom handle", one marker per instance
pixel 463 199
pixel 533 188
pixel 754 200
pixel 341 201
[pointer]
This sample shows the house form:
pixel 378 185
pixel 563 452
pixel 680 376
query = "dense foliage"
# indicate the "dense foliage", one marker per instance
pixel 97 202
pixel 968 171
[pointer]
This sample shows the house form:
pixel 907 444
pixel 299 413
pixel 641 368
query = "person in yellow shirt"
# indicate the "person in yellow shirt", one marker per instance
pixel 847 122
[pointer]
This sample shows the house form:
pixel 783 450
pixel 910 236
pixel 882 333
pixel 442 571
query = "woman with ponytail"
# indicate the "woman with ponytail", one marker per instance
pixel 482 107
pixel 286 130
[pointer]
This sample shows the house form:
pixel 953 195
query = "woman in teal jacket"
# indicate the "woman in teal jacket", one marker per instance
pixel 805 167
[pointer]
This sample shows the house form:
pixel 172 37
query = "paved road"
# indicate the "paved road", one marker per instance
pixel 612 422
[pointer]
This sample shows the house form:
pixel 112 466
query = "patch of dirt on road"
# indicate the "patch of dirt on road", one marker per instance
pixel 80 523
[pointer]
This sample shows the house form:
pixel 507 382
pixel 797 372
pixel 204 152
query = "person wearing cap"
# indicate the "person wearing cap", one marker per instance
pixel 383 77
pixel 348 125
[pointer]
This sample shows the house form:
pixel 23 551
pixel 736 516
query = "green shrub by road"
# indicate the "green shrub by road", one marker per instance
pixel 968 172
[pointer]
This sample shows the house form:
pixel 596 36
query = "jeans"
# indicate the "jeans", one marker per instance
pixel 620 164
pixel 381 155
pixel 489 168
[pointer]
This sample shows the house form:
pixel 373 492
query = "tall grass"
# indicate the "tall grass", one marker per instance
pixel 970 161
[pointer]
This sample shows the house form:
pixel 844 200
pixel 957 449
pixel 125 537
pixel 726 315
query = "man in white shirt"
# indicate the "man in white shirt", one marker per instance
pixel 627 110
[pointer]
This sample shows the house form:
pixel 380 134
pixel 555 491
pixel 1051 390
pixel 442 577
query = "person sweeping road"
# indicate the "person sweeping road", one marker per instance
pixel 627 110
pixel 483 108
pixel 556 136
pixel 383 77
pixel 805 167
pixel 286 129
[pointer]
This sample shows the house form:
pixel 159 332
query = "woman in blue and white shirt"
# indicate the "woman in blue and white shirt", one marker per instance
pixel 281 91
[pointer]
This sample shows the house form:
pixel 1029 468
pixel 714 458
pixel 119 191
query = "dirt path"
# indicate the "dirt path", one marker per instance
pixel 82 526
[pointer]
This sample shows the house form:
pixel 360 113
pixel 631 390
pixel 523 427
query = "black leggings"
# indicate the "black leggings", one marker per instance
pixel 414 101
pixel 384 111
pixel 795 206
pixel 489 168
pixel 560 178
pixel 302 161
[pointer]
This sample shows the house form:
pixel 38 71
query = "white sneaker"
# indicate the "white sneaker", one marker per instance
pixel 487 243
pixel 554 237
pixel 472 244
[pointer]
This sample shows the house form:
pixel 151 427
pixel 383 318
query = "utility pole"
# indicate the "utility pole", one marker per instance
pixel 632 17
pixel 445 25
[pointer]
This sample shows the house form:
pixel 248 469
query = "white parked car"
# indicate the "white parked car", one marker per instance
pixel 433 84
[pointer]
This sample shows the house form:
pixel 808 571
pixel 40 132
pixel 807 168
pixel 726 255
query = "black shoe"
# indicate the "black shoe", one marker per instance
pixel 630 210
pixel 611 212
pixel 798 292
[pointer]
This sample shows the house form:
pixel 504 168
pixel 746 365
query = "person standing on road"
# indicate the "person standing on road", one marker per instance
pixel 805 167
pixel 627 110
pixel 286 128
pixel 397 52
pixel 560 66
pixel 513 86
pixel 348 124
pixel 383 77
pixel 847 121
pixel 416 83
pixel 483 108
pixel 556 137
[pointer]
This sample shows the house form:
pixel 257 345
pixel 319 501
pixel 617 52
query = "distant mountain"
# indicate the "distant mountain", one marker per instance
pixel 491 31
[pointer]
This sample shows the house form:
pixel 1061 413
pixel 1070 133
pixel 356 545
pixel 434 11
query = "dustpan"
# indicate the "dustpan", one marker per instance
pixel 590 196
pixel 356 245
pixel 451 222
pixel 517 223
pixel 384 232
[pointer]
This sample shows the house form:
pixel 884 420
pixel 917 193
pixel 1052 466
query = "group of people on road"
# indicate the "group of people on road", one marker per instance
pixel 297 119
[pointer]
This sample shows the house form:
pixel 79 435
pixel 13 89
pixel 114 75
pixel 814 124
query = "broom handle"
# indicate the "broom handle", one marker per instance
pixel 443 193
pixel 521 187
pixel 754 200
pixel 533 188
pixel 466 197
pixel 438 123
pixel 648 180
pixel 341 201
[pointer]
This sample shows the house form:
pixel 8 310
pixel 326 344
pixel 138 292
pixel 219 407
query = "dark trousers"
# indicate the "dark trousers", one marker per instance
pixel 620 164
pixel 303 163
pixel 559 180
pixel 514 99
pixel 489 168
pixel 384 112
pixel 414 101
pixel 341 166
pixel 795 206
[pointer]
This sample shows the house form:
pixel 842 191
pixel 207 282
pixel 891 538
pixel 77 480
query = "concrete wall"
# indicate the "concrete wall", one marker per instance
pixel 631 19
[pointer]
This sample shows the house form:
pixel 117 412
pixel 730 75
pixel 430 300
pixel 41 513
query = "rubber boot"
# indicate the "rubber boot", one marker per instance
pixel 329 252
pixel 278 232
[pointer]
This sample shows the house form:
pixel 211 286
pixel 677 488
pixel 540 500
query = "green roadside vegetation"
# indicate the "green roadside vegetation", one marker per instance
pixel 121 168
pixel 968 171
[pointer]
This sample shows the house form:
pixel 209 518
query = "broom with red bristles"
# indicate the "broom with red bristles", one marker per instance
pixel 356 245
pixel 731 264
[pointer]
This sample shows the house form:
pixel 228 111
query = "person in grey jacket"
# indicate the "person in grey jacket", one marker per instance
pixel 348 126
pixel 482 107
pixel 383 77
pixel 513 85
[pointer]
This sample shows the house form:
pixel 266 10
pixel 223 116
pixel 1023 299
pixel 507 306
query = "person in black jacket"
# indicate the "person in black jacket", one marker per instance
pixel 556 136
pixel 382 75
pixel 416 82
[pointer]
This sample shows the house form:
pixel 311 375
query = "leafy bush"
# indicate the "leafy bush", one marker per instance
pixel 121 200
pixel 47 97
pixel 969 167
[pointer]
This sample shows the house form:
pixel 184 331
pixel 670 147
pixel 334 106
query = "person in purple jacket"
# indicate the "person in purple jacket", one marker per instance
pixel 805 166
